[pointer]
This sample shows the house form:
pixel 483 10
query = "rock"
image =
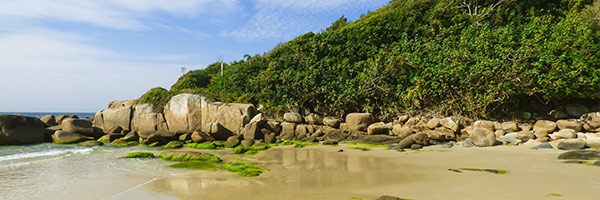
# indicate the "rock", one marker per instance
pixel 402 131
pixel 525 127
pixel 61 118
pixel 215 130
pixel 449 123
pixel 593 142
pixel 121 104
pixel 200 137
pixel 332 122
pixel 443 133
pixel 131 136
pixel 509 127
pixel 412 122
pixel 147 118
pixel 597 163
pixel 591 121
pixel 232 142
pixel 564 134
pixel 405 143
pixel 467 143
pixel 377 128
pixel 313 119
pixel 433 123
pixel 270 138
pixel 416 146
pixel 499 133
pixel 544 145
pixel 90 143
pixel 359 121
pixel 288 131
pixel 153 138
pixel 525 135
pixel 378 139
pixel 293 118
pixel 185 156
pixel 402 119
pixel 301 132
pixel 580 155
pixel 232 116
pixel 81 126
pixel 108 138
pixel 510 138
pixel 482 137
pixel 386 197
pixel 117 129
pixel 64 137
pixel 571 144
pixel 49 120
pixel 184 113
pixel 114 117
pixel 421 138
pixel 576 110
pixel 252 131
pixel 484 124
pixel 569 124
pixel 17 130
pixel 247 143
pixel 542 128
pixel 557 114
pixel 173 145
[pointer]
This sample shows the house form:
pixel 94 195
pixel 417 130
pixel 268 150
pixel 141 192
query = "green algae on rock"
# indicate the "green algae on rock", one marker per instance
pixel 197 165
pixel 185 156
pixel 243 168
pixel 138 154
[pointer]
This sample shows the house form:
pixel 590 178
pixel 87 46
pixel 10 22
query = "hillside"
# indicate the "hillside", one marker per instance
pixel 482 58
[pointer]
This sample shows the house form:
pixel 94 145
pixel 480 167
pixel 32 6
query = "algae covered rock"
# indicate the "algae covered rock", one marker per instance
pixel 138 154
pixel 243 168
pixel 185 156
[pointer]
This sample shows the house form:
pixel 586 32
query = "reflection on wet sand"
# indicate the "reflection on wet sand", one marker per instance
pixel 312 173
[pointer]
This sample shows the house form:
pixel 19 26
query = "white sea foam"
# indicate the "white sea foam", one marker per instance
pixel 47 153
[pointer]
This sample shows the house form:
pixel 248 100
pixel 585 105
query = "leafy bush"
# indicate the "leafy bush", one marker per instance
pixel 158 97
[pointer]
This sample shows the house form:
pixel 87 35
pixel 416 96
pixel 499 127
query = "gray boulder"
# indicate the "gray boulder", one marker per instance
pixel 17 129
pixel 332 122
pixel 184 112
pixel 81 126
pixel 49 120
pixel 571 144
pixel 217 131
pixel 377 128
pixel 564 134
pixel 576 110
pixel 449 123
pixel 591 121
pixel 569 124
pixel 288 131
pixel 580 155
pixel 313 119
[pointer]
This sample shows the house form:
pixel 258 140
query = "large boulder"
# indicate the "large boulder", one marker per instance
pixel 313 119
pixel 80 126
pixel 113 117
pixel 17 129
pixel 580 155
pixel 332 122
pixel 65 137
pixel 576 110
pixel 482 137
pixel 449 123
pixel 147 118
pixel 232 116
pixel 288 131
pixel 217 131
pixel 510 127
pixel 359 121
pixel 542 128
pixel 184 112
pixel 253 131
pixel 564 134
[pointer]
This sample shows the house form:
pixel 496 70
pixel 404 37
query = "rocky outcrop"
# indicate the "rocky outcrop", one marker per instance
pixel 65 137
pixel 293 118
pixel 482 137
pixel 82 127
pixel 118 114
pixel 232 116
pixel 16 130
pixel 146 118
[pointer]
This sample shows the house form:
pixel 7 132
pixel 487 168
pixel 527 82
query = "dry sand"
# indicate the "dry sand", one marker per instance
pixel 321 172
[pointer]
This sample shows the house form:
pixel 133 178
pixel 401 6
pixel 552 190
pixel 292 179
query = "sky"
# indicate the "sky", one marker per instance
pixel 77 55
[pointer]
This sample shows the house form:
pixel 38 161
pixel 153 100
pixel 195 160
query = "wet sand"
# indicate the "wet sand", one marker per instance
pixel 321 172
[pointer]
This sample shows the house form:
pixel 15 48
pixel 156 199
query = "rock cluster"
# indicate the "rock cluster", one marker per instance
pixel 192 118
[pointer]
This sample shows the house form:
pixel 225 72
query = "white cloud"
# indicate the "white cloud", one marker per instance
pixel 115 14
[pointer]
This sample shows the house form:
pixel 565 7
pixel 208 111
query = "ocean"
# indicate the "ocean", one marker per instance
pixel 81 115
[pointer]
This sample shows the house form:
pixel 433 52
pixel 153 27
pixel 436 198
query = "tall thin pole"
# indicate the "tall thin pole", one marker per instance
pixel 221 68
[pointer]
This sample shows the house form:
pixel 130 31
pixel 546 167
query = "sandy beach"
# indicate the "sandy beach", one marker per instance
pixel 321 172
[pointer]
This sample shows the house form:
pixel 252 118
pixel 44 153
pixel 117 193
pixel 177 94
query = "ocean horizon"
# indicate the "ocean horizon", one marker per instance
pixel 81 115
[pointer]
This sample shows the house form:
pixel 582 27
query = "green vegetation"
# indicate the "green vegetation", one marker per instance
pixel 554 195
pixel 243 168
pixel 139 155
pixel 494 171
pixel 123 143
pixel 173 145
pixel 157 96
pixel 478 58
pixel 199 165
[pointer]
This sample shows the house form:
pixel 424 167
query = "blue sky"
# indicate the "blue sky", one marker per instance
pixel 77 55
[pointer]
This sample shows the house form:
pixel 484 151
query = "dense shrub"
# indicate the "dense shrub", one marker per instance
pixel 157 96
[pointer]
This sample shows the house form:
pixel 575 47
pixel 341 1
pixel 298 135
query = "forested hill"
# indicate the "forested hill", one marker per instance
pixel 468 57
